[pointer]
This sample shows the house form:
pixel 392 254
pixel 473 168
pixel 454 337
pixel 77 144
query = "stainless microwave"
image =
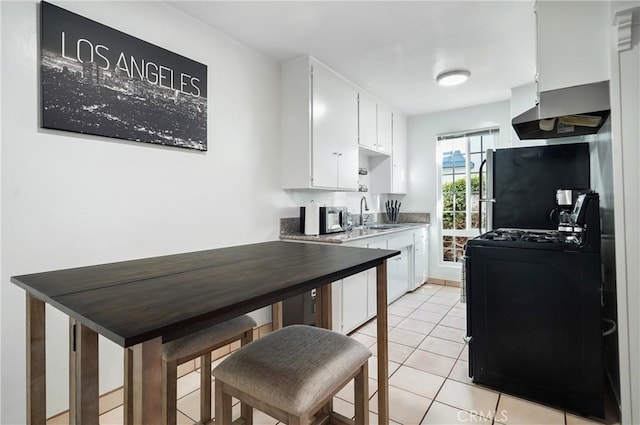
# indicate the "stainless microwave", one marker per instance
pixel 332 219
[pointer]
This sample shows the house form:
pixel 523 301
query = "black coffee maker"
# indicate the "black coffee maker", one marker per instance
pixel 565 201
pixel 585 221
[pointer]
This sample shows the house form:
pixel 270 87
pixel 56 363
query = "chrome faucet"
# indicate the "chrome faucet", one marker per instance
pixel 366 208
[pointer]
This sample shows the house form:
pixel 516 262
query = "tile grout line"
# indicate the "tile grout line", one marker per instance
pixel 493 420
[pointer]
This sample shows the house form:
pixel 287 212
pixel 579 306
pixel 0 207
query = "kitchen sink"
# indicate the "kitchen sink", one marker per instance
pixel 379 226
pixel 385 226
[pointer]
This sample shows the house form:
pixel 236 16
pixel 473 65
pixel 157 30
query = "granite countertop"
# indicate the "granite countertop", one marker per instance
pixel 357 233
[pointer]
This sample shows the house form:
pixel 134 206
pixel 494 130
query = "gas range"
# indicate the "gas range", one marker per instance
pixel 525 238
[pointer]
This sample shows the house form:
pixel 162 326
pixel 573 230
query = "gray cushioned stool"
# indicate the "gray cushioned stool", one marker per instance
pixel 198 344
pixel 293 373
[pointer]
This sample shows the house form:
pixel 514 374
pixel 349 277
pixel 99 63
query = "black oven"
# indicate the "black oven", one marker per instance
pixel 534 313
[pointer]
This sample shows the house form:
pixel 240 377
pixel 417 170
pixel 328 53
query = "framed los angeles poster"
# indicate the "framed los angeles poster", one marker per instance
pixel 97 80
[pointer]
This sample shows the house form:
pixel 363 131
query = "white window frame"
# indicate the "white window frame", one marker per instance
pixel 468 232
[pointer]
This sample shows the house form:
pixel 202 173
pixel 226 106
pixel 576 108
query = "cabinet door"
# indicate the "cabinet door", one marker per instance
pixel 354 301
pixel 348 157
pixel 404 274
pixel 420 258
pixel 384 128
pixel 399 156
pixel 397 282
pixel 334 129
pixel 367 120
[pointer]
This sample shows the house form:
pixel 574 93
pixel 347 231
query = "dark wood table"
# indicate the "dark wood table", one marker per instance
pixel 139 304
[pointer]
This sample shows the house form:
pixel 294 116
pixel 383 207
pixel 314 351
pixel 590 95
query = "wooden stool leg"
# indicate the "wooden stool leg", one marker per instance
pixel 298 420
pixel 247 337
pixel 205 388
pixel 223 405
pixel 169 392
pixel 246 411
pixel 361 389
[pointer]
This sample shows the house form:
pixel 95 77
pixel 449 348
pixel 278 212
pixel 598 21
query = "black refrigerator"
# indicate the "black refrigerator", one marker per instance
pixel 522 183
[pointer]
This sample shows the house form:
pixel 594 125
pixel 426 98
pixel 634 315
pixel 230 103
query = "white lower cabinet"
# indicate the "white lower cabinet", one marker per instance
pixel 420 257
pixel 400 269
pixel 354 301
pixel 397 275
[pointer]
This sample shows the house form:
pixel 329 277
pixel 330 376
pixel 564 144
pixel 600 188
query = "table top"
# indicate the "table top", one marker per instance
pixel 134 301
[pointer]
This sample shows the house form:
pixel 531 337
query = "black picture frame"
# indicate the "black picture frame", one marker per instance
pixel 100 81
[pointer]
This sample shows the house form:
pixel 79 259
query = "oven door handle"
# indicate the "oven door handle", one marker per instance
pixel 466 292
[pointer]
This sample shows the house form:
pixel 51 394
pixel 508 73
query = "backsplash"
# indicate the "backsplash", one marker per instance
pixel 410 217
pixel 292 224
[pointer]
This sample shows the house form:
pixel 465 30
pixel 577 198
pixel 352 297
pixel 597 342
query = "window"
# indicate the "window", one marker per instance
pixel 460 156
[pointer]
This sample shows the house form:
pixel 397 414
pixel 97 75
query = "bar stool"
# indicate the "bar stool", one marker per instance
pixel 292 374
pixel 197 344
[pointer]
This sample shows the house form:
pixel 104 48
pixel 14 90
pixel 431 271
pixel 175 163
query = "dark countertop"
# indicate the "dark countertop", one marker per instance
pixel 376 229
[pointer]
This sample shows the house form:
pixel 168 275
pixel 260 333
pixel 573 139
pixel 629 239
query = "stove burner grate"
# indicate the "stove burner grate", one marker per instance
pixel 516 235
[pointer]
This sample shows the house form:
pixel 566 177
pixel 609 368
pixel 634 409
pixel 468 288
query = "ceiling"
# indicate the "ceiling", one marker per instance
pixel 394 49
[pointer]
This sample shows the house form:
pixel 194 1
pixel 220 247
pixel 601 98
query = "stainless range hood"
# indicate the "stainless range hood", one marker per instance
pixel 572 111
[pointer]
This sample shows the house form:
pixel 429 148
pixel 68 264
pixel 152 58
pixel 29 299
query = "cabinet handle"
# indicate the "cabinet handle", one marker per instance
pixel 340 154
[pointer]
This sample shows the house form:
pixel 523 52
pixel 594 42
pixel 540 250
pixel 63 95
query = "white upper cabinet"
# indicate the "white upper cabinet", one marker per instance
pixel 573 43
pixel 385 132
pixel 335 130
pixel 389 174
pixel 367 120
pixel 374 125
pixel 320 127
pixel 399 155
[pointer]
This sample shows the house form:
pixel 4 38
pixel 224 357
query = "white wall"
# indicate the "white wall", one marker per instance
pixel 1 243
pixel 625 109
pixel 423 189
pixel 70 200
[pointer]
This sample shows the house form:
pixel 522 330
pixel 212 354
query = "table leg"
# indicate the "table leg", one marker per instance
pixel 83 374
pixel 36 362
pixel 276 316
pixel 323 307
pixel 147 382
pixel 383 344
pixel 128 386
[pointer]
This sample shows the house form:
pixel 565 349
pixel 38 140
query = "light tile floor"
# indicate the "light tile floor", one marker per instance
pixel 428 374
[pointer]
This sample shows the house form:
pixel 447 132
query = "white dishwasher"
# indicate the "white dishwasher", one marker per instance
pixel 399 268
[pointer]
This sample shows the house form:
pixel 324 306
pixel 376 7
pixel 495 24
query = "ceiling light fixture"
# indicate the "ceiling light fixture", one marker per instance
pixel 453 77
